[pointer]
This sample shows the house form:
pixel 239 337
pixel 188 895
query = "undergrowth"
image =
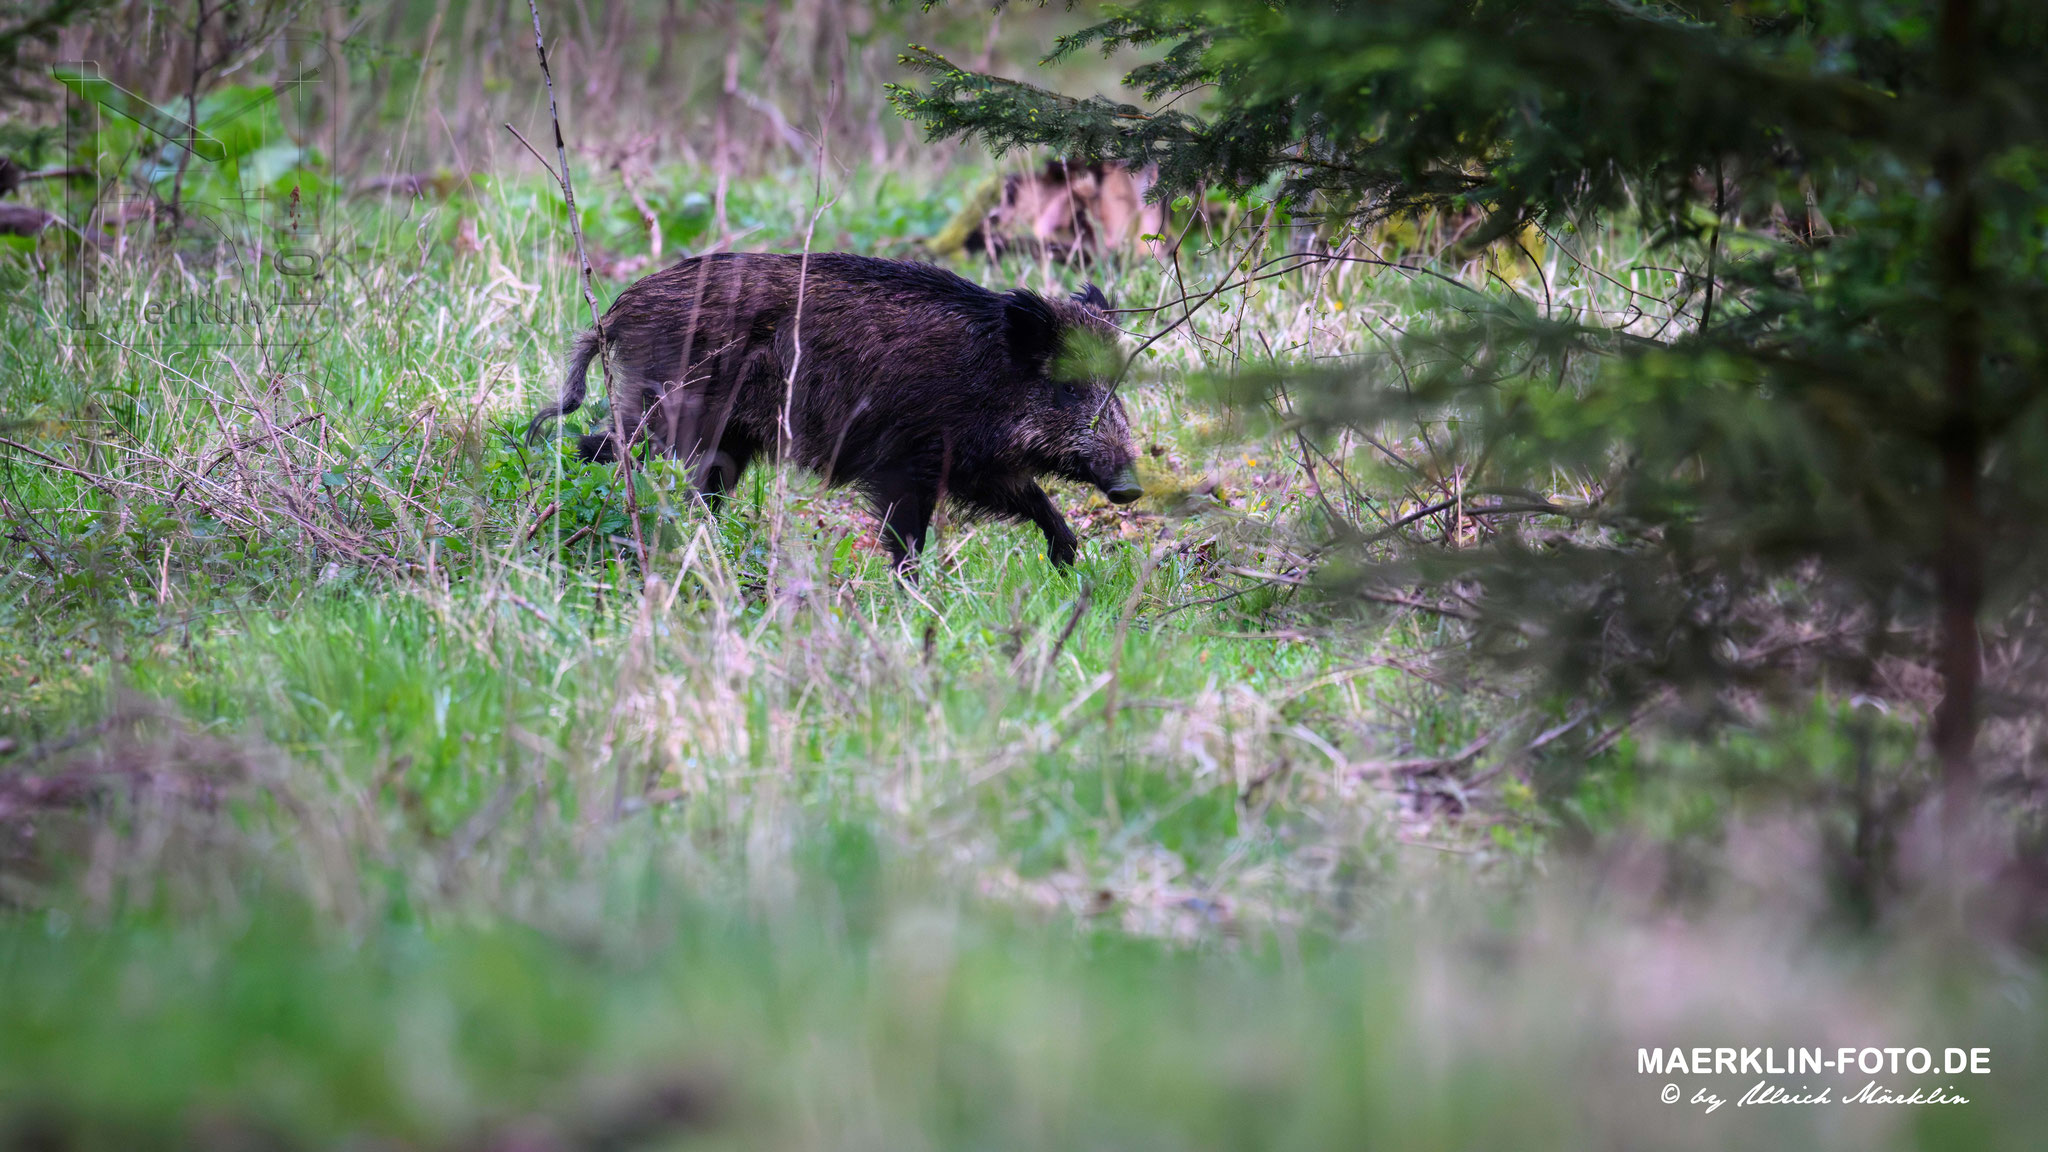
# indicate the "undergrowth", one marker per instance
pixel 361 780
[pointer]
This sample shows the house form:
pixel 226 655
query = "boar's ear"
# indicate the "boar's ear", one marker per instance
pixel 1032 329
pixel 1091 298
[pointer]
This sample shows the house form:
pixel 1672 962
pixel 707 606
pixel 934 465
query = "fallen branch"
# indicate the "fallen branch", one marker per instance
pixel 1425 765
pixel 92 478
pixel 1265 577
pixel 1430 765
pixel 1539 508
pixel 1542 740
pixel 1398 600
pixel 541 521
pixel 1608 739
pixel 23 220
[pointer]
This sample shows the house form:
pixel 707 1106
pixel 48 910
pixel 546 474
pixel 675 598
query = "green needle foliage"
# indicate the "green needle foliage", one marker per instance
pixel 1833 452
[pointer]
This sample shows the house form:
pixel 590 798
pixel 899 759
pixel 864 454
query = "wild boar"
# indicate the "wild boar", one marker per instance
pixel 1071 209
pixel 904 379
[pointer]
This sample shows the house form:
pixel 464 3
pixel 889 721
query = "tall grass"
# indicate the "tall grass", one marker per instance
pixel 352 555
pixel 360 785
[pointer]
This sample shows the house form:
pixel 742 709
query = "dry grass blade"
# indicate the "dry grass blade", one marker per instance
pixel 623 435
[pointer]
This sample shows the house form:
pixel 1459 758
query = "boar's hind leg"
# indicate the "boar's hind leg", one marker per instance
pixel 904 501
pixel 720 473
pixel 1025 500
pixel 631 399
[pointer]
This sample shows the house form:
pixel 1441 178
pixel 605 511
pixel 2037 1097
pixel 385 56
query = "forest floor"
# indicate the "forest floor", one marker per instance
pixel 359 784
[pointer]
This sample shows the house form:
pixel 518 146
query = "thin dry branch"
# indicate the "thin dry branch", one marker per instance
pixel 1398 600
pixel 1425 765
pixel 619 429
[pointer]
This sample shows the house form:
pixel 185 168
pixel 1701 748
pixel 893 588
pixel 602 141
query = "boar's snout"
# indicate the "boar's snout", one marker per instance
pixel 1124 489
pixel 1112 455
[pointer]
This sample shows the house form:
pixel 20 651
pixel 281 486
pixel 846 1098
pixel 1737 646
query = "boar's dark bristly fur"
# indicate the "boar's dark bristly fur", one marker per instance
pixel 903 379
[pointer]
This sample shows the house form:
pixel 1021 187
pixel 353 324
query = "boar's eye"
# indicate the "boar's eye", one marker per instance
pixel 1069 392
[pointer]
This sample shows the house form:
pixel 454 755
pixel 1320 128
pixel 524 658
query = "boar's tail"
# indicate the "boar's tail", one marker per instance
pixel 580 356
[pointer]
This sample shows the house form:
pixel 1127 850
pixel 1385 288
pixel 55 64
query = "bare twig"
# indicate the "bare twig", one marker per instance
pixel 92 478
pixel 1424 765
pixel 541 521
pixel 45 457
pixel 1263 577
pixel 619 430
pixel 1398 600
pixel 534 152
pixel 648 219
pixel 1067 633
pixel 251 442
pixel 1544 508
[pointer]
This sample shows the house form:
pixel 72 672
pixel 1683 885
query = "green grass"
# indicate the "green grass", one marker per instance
pixel 870 1010
pixel 774 651
pixel 414 820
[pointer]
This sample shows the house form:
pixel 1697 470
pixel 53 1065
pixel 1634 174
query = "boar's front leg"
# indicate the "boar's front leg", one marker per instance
pixel 1025 500
pixel 904 500
pixel 719 473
